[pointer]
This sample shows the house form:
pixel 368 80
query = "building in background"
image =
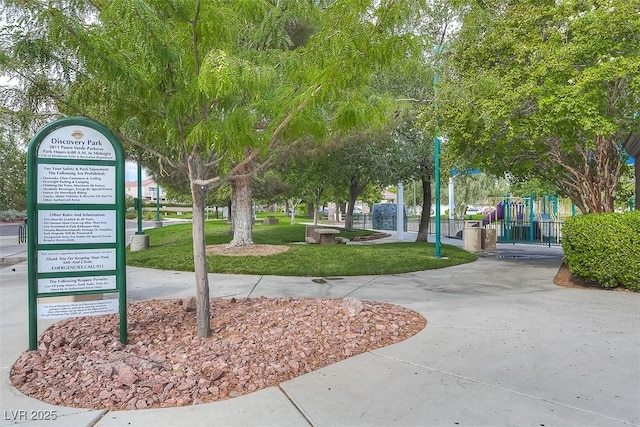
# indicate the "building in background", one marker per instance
pixel 149 190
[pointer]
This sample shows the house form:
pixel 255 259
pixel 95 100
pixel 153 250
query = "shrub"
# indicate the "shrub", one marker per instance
pixel 604 248
pixel 12 215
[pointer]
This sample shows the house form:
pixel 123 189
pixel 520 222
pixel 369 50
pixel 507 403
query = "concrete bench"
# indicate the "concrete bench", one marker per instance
pixel 342 240
pixel 326 235
pixel 320 235
pixel 271 220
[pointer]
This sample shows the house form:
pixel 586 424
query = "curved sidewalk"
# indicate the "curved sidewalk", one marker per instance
pixel 503 346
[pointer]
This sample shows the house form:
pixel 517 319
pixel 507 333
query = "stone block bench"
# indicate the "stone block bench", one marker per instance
pixel 327 235
pixel 320 235
pixel 271 220
pixel 342 240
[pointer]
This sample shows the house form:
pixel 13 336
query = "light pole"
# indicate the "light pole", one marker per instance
pixel 158 218
pixel 437 253
pixel 436 149
pixel 140 240
pixel 400 212
pixel 452 204
pixel 139 207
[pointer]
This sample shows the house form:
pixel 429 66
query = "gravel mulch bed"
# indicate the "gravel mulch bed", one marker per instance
pixel 373 236
pixel 256 343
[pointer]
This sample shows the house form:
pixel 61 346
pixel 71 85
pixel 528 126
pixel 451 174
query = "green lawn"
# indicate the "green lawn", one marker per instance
pixel 170 249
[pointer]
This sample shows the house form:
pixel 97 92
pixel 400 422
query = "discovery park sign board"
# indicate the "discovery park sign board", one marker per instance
pixel 75 220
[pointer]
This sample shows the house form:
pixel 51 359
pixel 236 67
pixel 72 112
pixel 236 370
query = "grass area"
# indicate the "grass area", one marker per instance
pixel 475 217
pixel 170 249
pixel 150 215
pixel 175 215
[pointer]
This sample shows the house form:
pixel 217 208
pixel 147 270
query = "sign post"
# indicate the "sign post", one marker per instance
pixel 75 197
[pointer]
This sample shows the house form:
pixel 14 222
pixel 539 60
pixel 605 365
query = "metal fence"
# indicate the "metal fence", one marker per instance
pixel 448 228
pixel 531 232
pixel 22 234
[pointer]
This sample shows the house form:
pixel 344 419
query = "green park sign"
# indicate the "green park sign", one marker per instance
pixel 75 221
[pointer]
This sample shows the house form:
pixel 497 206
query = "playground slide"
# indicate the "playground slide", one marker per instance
pixel 516 213
pixel 494 216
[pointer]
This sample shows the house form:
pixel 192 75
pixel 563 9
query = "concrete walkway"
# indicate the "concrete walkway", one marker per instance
pixel 504 346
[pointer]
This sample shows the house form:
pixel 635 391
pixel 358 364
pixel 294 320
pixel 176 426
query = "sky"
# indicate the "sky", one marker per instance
pixel 131 172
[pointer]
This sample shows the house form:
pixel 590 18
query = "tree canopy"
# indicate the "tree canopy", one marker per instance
pixel 13 186
pixel 547 89
pixel 212 101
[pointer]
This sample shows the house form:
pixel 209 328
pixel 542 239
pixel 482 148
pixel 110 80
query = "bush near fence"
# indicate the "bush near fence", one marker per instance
pixel 12 215
pixel 604 249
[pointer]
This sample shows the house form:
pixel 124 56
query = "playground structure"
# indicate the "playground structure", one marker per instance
pixel 528 219
pixel 511 219
pixel 384 216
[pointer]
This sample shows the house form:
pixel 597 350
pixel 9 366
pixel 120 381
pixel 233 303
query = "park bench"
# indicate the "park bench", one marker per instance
pixel 342 240
pixel 326 235
pixel 320 235
pixel 271 220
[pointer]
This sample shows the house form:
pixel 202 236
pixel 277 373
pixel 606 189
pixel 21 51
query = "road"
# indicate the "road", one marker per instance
pixel 11 229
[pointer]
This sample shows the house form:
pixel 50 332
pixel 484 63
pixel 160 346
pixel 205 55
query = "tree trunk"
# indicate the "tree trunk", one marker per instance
pixel 355 189
pixel 425 217
pixel 315 211
pixel 230 215
pixel 341 209
pixel 242 211
pixel 294 206
pixel 588 176
pixel 203 325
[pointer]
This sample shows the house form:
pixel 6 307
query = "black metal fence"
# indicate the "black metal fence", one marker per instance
pixel 22 234
pixel 448 228
pixel 532 232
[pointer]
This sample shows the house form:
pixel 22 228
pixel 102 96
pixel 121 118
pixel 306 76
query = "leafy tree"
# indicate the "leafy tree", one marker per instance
pixel 270 187
pixel 547 89
pixel 625 191
pixel 478 189
pixel 415 137
pixel 309 173
pixel 413 84
pixel 371 194
pixel 362 158
pixel 214 102
pixel 16 129
pixel 13 164
pixel 532 186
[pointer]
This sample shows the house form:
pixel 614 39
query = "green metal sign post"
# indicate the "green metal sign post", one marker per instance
pixel 76 224
pixel 139 201
pixel 436 158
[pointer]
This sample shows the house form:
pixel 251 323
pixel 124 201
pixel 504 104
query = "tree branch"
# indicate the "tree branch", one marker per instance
pixel 156 153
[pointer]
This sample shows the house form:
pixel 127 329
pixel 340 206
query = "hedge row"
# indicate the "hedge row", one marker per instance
pixel 604 248
pixel 12 215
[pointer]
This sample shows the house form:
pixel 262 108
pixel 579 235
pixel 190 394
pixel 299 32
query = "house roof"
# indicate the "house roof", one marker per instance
pixel 632 145
pixel 148 181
